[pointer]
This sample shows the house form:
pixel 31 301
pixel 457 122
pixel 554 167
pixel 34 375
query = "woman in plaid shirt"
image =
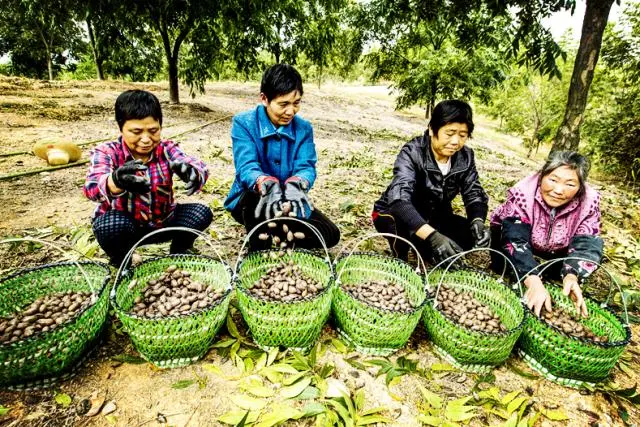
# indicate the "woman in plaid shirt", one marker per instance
pixel 132 181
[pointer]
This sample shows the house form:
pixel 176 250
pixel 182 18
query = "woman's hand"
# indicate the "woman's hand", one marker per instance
pixel 536 295
pixel 571 288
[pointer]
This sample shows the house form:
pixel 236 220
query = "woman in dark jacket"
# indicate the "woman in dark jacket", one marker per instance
pixel 430 171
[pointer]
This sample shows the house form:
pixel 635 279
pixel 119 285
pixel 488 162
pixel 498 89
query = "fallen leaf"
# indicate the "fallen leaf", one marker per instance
pixel 555 415
pixel 63 399
pixel 109 408
pixel 96 405
pixel 247 402
pixel 296 388
pixel 182 384
pixel 235 417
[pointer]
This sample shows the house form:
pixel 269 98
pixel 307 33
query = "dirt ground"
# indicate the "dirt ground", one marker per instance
pixel 358 134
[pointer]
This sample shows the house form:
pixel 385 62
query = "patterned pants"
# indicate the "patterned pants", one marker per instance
pixel 117 232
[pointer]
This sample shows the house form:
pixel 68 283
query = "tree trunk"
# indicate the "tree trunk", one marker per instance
pixel 172 61
pixel 174 95
pixel 431 102
pixel 94 49
pixel 595 21
pixel 50 66
pixel 276 52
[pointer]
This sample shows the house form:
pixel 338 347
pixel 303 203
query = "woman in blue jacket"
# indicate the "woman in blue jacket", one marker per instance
pixel 275 160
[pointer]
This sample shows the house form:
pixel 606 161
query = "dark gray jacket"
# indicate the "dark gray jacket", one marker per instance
pixel 419 191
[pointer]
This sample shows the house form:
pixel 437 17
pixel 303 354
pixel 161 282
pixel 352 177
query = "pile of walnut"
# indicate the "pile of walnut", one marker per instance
pixel 173 293
pixel 286 282
pixel 570 326
pixel 43 315
pixel 381 294
pixel 281 239
pixel 461 307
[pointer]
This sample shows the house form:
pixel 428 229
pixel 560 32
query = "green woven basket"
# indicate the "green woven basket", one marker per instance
pixel 293 324
pixel 369 329
pixel 569 360
pixel 46 358
pixel 469 350
pixel 176 340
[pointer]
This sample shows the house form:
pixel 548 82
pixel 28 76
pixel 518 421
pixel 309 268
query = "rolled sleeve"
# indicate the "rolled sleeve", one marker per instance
pixel 100 167
pixel 475 199
pixel 401 191
pixel 245 155
pixel 174 153
pixel 305 160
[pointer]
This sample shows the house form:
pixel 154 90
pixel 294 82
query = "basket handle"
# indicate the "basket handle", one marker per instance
pixel 452 259
pixel 313 229
pixel 355 246
pixel 546 264
pixel 198 233
pixel 58 248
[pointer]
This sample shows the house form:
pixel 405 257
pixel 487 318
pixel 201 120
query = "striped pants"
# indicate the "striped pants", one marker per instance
pixel 117 232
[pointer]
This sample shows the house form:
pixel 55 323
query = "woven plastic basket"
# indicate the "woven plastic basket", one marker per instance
pixel 46 358
pixel 373 330
pixel 469 350
pixel 293 324
pixel 569 360
pixel 174 340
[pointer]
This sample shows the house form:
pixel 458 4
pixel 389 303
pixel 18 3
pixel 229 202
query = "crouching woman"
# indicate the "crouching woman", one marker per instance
pixel 430 171
pixel 551 214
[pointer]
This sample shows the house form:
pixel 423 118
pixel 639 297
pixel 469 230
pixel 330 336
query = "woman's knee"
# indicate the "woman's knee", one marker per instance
pixel 113 224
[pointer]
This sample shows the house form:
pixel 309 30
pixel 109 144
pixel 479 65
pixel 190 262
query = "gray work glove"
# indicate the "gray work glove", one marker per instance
pixel 480 233
pixel 295 192
pixel 187 174
pixel 126 177
pixel 270 203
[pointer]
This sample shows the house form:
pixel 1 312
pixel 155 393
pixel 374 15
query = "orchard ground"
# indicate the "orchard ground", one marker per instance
pixel 358 134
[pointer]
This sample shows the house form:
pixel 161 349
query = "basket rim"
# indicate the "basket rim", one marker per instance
pixel 381 256
pixel 236 279
pixel 120 281
pixel 483 333
pixel 622 343
pixel 73 318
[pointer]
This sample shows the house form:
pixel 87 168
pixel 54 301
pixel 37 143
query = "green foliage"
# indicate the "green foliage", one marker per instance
pixel 612 126
pixel 530 105
pixel 39 35
pixel 457 48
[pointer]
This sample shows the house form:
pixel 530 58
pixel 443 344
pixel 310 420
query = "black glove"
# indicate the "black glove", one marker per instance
pixel 188 174
pixel 270 198
pixel 480 233
pixel 295 192
pixel 442 247
pixel 126 177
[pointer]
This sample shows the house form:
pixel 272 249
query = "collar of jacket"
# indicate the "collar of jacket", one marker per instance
pixel 268 129
pixel 562 210
pixel 459 161
pixel 128 156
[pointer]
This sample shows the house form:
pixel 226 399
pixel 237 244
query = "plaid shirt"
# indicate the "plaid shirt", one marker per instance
pixel 149 209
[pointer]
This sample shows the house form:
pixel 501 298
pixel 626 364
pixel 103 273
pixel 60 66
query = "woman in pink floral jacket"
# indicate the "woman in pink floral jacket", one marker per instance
pixel 551 214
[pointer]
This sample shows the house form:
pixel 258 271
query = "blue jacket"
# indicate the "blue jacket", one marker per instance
pixel 259 148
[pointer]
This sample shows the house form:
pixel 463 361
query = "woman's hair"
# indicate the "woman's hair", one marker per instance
pixel 571 159
pixel 280 79
pixel 451 111
pixel 136 105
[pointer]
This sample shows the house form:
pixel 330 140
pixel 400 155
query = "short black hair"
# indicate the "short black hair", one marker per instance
pixel 137 104
pixel 451 111
pixel 280 79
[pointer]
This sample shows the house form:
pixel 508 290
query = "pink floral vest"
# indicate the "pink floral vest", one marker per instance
pixel 579 216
